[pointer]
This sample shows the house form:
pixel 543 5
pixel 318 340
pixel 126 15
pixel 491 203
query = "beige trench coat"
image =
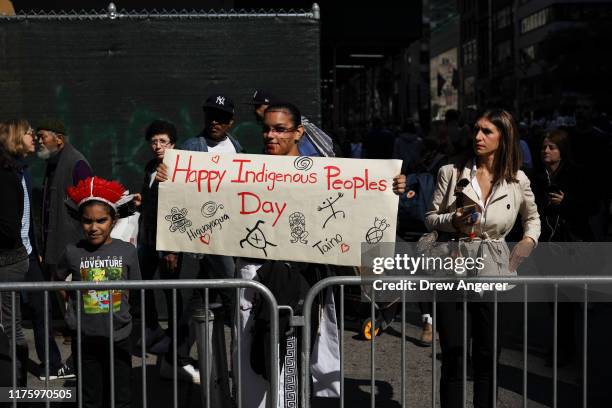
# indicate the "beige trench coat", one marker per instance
pixel 506 202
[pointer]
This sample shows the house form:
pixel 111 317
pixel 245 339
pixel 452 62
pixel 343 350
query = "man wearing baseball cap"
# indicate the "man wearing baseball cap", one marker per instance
pixel 249 132
pixel 218 119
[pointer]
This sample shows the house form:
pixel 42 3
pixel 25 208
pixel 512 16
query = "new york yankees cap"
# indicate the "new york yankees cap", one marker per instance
pixel 220 102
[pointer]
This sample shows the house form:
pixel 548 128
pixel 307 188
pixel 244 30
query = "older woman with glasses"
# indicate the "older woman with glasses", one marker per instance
pixel 160 135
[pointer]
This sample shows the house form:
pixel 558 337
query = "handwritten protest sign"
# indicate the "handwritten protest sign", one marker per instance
pixel 276 207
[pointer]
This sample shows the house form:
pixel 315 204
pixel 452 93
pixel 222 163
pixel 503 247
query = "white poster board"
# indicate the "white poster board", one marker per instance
pixel 308 209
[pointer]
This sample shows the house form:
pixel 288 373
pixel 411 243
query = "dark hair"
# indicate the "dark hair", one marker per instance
pixel 409 126
pixel 111 211
pixel 560 137
pixel 161 127
pixel 287 107
pixel 452 115
pixel 508 158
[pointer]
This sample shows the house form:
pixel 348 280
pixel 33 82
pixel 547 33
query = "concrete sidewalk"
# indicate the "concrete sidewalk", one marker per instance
pixel 357 374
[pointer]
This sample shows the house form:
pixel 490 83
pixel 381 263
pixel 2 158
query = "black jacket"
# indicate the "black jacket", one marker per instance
pixel 289 282
pixel 568 221
pixel 147 228
pixel 61 228
pixel 11 212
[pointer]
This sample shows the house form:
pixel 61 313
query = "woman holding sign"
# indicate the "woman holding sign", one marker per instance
pixel 479 201
pixel 289 282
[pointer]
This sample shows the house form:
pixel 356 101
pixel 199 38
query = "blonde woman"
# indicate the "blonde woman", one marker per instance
pixel 16 140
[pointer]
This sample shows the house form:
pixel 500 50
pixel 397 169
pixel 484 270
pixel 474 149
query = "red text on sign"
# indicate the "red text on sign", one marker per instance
pixel 250 203
pixel 336 182
pixel 212 178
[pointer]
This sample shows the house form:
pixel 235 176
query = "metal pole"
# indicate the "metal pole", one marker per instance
pixel 143 347
pixel 238 325
pixel 434 350
pixel 341 346
pixel 403 348
pixel 585 346
pixel 372 350
pixel 79 350
pixel 13 345
pixel 525 327
pixel 494 349
pixel 316 11
pixel 46 324
pixel 174 351
pixel 464 355
pixel 206 342
pixel 555 345
pixel 111 341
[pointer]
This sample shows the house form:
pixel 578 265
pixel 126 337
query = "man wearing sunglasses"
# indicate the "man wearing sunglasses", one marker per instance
pixel 218 119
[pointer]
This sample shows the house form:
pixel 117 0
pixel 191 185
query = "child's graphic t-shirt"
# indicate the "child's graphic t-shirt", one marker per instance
pixel 117 260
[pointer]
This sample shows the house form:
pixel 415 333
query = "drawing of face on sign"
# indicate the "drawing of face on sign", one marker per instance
pixel 256 238
pixel 297 223
pixel 178 219
pixel 375 234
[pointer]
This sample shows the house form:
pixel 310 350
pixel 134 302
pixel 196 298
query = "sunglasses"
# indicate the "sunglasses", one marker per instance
pixel 218 116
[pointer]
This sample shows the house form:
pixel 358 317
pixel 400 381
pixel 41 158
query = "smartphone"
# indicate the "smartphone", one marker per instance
pixel 472 211
pixel 553 188
pixel 468 209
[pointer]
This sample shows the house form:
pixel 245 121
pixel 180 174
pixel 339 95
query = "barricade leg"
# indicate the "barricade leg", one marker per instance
pixel 212 359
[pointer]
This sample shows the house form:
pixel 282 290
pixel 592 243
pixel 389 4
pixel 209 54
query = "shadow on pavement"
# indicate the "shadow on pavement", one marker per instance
pixel 357 395
pixel 539 388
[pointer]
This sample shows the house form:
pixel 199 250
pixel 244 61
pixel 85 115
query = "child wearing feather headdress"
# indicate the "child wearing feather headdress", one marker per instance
pixel 104 314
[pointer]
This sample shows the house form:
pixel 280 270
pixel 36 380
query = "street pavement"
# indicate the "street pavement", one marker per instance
pixel 388 376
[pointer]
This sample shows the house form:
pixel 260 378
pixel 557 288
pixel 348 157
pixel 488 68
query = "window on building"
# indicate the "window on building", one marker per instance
pixel 503 18
pixel 528 54
pixel 503 51
pixel 582 12
pixel 536 20
pixel 469 52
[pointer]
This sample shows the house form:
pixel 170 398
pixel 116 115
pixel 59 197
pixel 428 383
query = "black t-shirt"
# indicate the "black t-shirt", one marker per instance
pixel 117 260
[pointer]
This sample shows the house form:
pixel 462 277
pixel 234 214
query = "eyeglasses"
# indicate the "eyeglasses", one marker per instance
pixel 277 130
pixel 160 143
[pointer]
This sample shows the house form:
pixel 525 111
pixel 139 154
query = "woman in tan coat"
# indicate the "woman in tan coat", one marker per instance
pixel 478 202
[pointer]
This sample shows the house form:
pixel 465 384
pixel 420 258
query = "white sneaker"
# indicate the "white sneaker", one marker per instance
pixel 187 373
pixel 65 372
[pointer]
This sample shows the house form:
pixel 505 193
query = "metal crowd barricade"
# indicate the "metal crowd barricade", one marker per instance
pixel 342 281
pixel 174 285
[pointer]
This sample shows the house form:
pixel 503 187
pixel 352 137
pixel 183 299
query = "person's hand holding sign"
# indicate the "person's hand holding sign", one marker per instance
pixel 162 173
pixel 399 184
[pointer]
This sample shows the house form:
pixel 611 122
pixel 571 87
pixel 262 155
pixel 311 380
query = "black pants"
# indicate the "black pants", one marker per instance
pixel 210 267
pixel 96 372
pixel 35 301
pixel 480 331
pixel 150 262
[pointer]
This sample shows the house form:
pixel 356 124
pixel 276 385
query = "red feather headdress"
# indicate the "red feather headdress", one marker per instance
pixel 99 189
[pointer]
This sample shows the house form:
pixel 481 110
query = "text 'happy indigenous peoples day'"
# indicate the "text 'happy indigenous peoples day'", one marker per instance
pixel 251 203
pixel 262 175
